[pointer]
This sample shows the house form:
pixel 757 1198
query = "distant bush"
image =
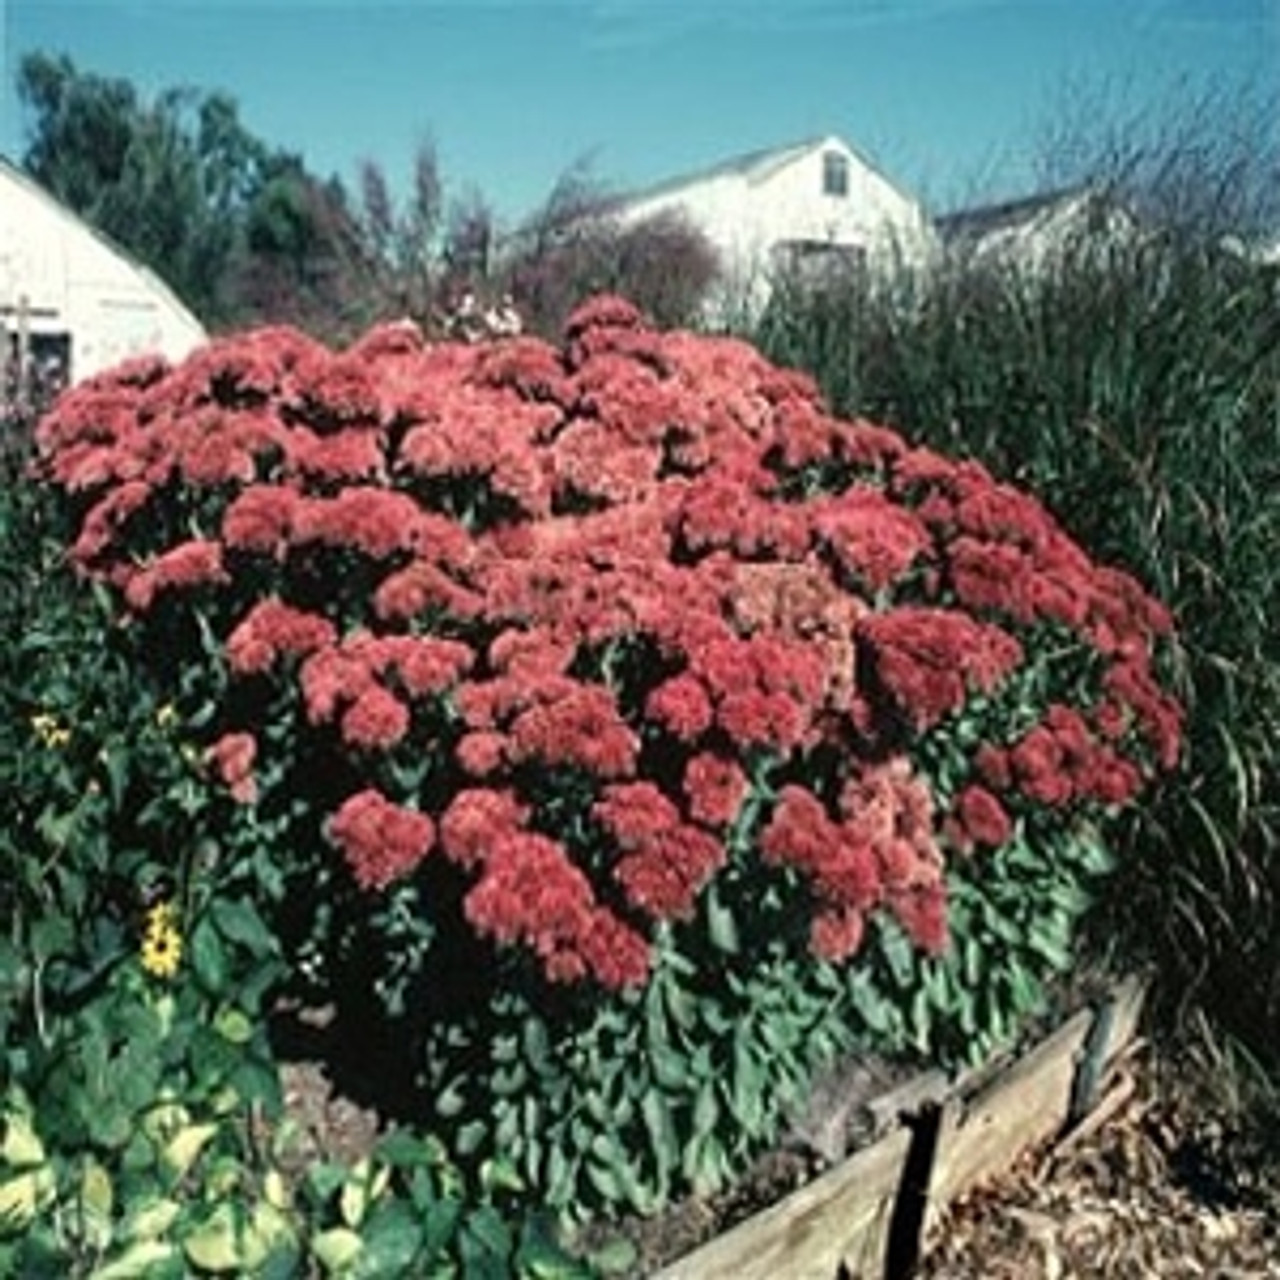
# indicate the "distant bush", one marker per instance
pixel 578 245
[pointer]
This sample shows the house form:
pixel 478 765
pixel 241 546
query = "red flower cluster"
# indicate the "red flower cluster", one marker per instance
pixel 233 756
pixel 715 788
pixel 665 862
pixel 878 852
pixel 978 818
pixel 927 660
pixel 189 564
pixel 381 841
pixel 1060 760
pixel 529 892
pixel 651 558
pixel 874 540
pixel 272 630
pixel 352 681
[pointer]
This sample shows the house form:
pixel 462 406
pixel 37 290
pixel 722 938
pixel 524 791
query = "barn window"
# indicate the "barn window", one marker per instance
pixel 835 174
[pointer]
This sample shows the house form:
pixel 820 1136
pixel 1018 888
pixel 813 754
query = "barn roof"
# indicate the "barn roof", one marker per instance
pixel 754 166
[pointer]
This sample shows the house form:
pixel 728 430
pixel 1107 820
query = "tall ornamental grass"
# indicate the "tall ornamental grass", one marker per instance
pixel 1134 386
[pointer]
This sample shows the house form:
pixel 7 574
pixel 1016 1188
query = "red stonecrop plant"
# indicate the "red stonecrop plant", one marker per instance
pixel 646 568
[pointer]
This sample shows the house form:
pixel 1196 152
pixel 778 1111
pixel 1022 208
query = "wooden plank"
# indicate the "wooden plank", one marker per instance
pixel 1124 1012
pixel 1108 1107
pixel 1114 1026
pixel 928 1089
pixel 841 1217
pixel 1024 1106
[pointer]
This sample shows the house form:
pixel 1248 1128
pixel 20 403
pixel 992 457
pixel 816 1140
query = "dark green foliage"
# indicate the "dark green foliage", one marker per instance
pixel 614 1104
pixel 576 246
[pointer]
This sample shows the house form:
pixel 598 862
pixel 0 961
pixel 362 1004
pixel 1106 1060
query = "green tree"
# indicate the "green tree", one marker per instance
pixel 404 239
pixel 242 231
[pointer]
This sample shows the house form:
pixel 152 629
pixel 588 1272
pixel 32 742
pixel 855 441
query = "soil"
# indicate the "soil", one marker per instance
pixel 1163 1184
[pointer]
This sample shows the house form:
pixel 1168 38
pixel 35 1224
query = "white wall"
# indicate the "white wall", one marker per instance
pixel 745 214
pixel 75 281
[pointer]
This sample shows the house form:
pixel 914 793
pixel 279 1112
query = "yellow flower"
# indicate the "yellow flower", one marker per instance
pixel 166 715
pixel 161 948
pixel 49 731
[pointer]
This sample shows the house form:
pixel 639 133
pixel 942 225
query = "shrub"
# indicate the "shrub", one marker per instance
pixel 640 734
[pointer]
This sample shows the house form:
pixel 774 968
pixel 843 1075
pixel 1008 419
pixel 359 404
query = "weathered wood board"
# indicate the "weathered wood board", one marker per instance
pixel 1025 1106
pixel 841 1217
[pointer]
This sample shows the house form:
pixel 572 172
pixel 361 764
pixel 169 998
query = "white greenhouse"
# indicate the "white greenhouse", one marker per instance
pixel 70 299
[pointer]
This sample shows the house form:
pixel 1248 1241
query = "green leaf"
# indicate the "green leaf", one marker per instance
pixel 439 1224
pixel 656 1112
pixel 21 1198
pixel 540 1255
pixel 116 755
pixel 614 1256
pixel 21 1146
pixel 561 1176
pixel 232 1024
pixel 357 1194
pixel 486 1227
pixel 500 1174
pixel 605 1181
pixel 470 1137
pixel 209 956
pixel 97 1201
pixel 872 1007
pixel 452 1098
pixel 706 1111
pixel 52 935
pixel 1048 939
pixel 325 1179
pixel 217 1243
pixel 182 1150
pixel 336 1249
pixel 895 946
pixel 405 1150
pixel 537 1047
pixel 142 1260
pixel 392 1237
pixel 238 921
pixel 748 1082
pixel 721 926
pixel 150 1220
pixel 271 1245
pixel 506 1081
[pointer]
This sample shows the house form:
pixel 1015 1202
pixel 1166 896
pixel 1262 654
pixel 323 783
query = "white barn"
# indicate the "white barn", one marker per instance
pixel 69 294
pixel 1034 232
pixel 813 207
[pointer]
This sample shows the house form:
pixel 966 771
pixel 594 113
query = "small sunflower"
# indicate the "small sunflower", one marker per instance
pixel 161 949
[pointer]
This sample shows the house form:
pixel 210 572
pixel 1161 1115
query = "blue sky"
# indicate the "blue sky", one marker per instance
pixel 946 96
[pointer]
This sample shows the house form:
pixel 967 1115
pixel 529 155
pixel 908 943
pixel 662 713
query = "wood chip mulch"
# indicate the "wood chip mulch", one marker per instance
pixel 1158 1187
